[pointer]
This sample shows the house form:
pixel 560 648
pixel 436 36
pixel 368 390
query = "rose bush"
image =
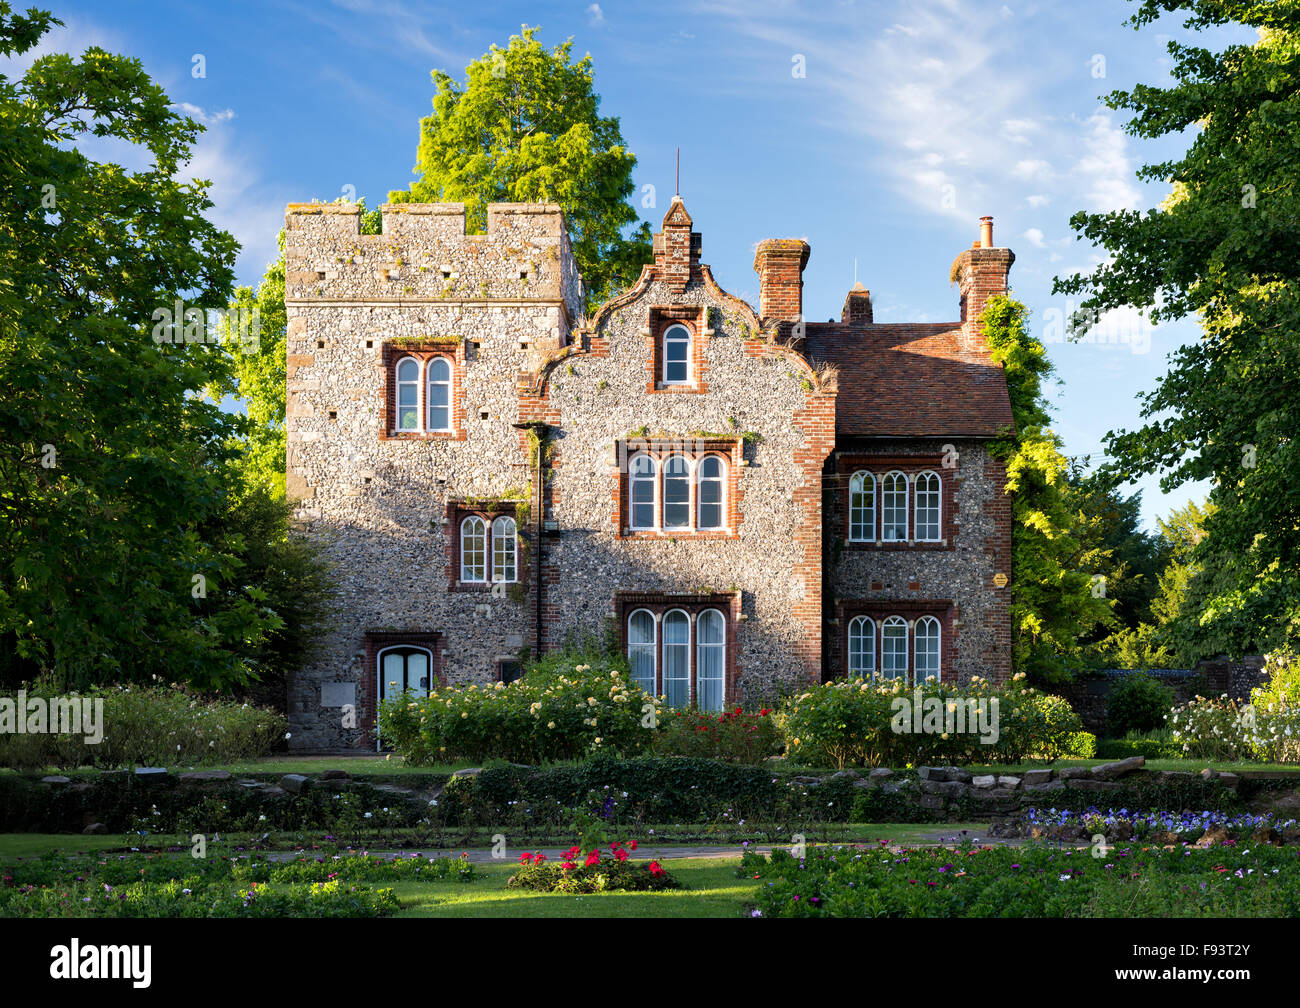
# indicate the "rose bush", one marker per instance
pixel 540 718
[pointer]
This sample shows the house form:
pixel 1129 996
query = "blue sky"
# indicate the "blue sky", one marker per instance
pixel 878 131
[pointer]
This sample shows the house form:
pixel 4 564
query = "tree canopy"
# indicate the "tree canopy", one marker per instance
pixel 525 127
pixel 1223 248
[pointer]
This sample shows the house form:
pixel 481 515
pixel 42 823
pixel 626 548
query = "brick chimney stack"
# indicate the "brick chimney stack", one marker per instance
pixel 980 273
pixel 779 263
pixel 857 307
pixel 677 248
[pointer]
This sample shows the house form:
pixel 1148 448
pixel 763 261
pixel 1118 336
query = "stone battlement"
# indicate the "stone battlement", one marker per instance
pixel 424 255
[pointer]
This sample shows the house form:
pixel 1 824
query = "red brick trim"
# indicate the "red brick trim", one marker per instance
pixel 389 355
pixel 626 602
pixel 911 466
pixel 659 448
pixel 912 610
pixel 375 641
pixel 457 511
pixel 662 317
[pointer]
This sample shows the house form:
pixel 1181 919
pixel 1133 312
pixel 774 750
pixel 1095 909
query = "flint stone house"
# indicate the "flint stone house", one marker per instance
pixel 747 500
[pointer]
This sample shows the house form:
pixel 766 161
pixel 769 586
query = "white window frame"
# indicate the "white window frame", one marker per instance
pixel 937 508
pixel 893 622
pixel 487 550
pixel 937 676
pixel 429 383
pixel 886 508
pixel 664 646
pixel 633 479
pixel 867 624
pixel 399 383
pixel 668 337
pixel 379 672
pixel 700 645
pixel 698 482
pixel 689 479
pixel 653 644
pixel 858 484
pixel 499 523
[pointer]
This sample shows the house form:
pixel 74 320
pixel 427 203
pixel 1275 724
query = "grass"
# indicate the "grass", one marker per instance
pixel 714 891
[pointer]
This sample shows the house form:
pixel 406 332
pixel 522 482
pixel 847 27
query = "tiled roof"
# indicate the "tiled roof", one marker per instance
pixel 910 380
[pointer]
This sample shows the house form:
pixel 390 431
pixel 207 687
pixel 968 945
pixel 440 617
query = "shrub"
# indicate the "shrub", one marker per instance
pixel 539 718
pixel 1138 703
pixel 732 736
pixel 1215 729
pixel 1277 709
pixel 853 722
pixel 151 726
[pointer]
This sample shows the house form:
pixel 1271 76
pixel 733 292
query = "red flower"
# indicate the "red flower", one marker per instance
pixel 567 866
pixel 525 858
pixel 539 859
pixel 764 712
pixel 654 868
pixel 593 858
pixel 632 845
pixel 621 854
pixel 573 852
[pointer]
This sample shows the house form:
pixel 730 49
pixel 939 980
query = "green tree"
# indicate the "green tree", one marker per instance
pixel 111 460
pixel 1053 604
pixel 525 127
pixel 1111 522
pixel 1224 247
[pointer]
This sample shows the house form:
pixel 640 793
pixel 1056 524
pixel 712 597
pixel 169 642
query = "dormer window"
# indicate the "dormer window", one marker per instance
pixel 677 355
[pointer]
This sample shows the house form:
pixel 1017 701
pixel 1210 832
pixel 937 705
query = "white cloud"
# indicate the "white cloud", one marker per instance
pixel 1105 169
pixel 201 115
pixel 1037 200
pixel 595 16
pixel 1035 237
pixel 1031 169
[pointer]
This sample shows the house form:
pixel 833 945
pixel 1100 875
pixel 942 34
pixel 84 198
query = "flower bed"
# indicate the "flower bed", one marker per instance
pixel 592 872
pixel 1153 826
pixel 1226 880
pixel 161 885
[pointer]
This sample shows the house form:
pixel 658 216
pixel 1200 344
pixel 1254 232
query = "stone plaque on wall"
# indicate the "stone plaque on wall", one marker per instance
pixel 338 694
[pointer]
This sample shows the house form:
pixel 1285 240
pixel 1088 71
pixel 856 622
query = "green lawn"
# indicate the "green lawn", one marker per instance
pixel 714 892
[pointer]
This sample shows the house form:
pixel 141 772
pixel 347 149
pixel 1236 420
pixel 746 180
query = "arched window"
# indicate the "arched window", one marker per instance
pixel 894 508
pixel 711 660
pixel 473 549
pixel 642 475
pixel 893 648
pixel 677 658
pixel 927 649
pixel 677 355
pixel 641 649
pixel 862 507
pixel 404 669
pixel 927 508
pixel 862 647
pixel 677 493
pixel 504 549
pixel 408 394
pixel 439 373
pixel 709 484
